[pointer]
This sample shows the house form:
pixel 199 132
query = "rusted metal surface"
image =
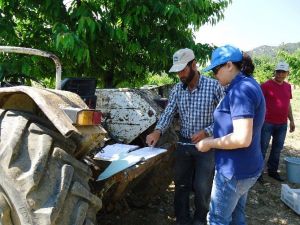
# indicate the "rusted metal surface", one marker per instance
pixel 91 137
pixel 50 102
pixel 127 113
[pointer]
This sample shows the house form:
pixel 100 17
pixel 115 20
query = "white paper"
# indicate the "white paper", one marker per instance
pixel 114 152
pixel 128 159
pixel 147 152
pixel 119 165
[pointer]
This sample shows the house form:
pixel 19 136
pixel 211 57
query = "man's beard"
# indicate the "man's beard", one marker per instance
pixel 190 77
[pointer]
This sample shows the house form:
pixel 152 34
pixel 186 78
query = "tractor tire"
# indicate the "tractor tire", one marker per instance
pixel 41 183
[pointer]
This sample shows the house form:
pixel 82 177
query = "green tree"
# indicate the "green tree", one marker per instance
pixel 265 65
pixel 294 61
pixel 264 68
pixel 113 40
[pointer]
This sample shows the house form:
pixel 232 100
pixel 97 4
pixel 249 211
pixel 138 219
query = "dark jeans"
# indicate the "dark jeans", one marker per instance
pixel 278 133
pixel 194 171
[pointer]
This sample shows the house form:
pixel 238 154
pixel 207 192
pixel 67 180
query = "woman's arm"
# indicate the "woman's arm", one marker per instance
pixel 241 137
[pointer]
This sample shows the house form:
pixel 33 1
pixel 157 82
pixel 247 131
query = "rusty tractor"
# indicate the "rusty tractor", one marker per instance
pixel 51 168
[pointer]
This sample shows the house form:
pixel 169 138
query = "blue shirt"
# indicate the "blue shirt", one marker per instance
pixel 195 107
pixel 243 99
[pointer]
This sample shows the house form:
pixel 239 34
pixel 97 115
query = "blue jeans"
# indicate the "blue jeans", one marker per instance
pixel 278 133
pixel 228 200
pixel 194 171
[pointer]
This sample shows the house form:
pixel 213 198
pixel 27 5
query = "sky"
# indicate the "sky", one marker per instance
pixel 252 23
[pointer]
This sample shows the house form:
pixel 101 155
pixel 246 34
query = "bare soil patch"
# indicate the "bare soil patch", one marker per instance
pixel 263 207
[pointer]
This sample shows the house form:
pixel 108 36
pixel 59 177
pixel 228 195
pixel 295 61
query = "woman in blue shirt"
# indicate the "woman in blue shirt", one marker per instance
pixel 238 120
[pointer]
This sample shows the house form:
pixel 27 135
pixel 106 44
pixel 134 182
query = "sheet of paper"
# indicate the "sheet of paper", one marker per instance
pixel 129 159
pixel 114 152
pixel 119 165
pixel 147 152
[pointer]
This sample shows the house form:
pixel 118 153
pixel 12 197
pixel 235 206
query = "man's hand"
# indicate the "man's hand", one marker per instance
pixel 153 138
pixel 292 126
pixel 199 136
pixel 204 144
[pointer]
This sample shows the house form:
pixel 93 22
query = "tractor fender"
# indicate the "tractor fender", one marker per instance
pixel 48 101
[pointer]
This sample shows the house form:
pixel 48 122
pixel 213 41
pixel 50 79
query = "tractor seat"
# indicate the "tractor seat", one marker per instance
pixel 84 87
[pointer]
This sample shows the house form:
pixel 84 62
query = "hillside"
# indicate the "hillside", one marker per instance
pixel 272 50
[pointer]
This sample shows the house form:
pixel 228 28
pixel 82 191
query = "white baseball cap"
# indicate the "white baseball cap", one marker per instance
pixel 282 66
pixel 181 59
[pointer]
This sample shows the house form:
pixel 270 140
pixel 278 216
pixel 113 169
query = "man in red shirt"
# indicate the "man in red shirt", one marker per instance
pixel 277 94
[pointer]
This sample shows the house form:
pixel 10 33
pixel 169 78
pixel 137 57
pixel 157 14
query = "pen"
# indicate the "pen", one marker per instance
pixel 184 143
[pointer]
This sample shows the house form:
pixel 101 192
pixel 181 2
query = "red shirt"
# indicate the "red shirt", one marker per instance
pixel 277 101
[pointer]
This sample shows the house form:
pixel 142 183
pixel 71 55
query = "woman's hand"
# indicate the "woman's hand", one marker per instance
pixel 204 144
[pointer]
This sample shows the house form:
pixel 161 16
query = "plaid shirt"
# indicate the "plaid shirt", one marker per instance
pixel 195 107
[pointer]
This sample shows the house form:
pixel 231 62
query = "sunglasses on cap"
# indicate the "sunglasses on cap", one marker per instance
pixel 216 69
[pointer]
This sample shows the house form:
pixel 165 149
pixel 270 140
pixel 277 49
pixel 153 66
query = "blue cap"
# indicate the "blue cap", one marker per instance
pixel 223 55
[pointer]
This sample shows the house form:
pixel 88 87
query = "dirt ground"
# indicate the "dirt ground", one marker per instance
pixel 264 206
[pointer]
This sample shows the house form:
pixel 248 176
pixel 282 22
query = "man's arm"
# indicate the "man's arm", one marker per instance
pixel 165 119
pixel 200 135
pixel 168 115
pixel 291 119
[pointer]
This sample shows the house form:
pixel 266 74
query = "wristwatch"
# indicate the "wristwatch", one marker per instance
pixel 206 133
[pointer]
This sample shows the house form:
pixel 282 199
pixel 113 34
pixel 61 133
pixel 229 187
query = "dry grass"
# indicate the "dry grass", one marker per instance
pixel 264 204
pixel 293 139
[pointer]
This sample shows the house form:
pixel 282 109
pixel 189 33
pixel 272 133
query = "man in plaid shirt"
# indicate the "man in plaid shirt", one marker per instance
pixel 195 99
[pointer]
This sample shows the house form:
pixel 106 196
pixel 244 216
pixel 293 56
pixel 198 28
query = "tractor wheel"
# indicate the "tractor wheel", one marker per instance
pixel 40 181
